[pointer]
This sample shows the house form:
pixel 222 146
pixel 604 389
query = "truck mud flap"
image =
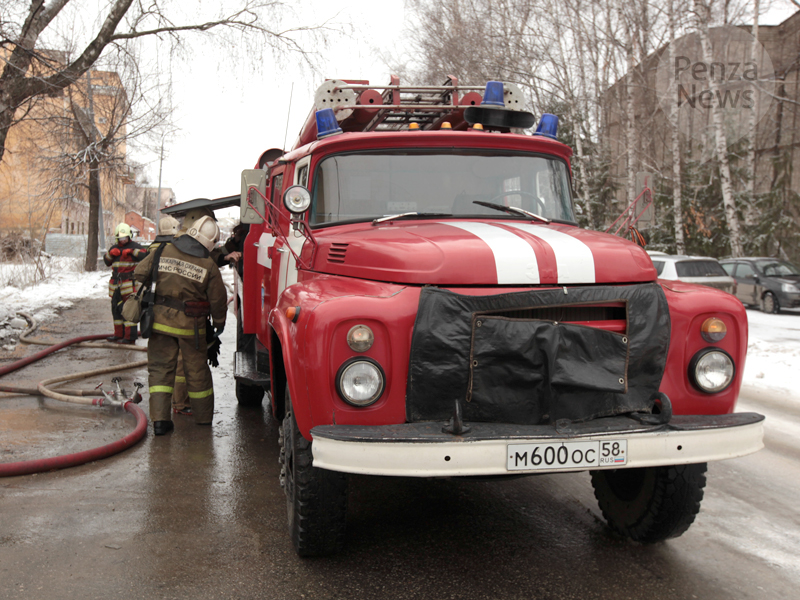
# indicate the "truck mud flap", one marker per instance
pixel 245 370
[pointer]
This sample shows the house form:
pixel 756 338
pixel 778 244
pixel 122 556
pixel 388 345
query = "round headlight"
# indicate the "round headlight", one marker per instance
pixel 711 370
pixel 360 338
pixel 713 329
pixel 297 199
pixel 360 382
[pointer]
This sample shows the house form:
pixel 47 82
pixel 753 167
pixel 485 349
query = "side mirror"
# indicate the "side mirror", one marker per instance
pixel 253 178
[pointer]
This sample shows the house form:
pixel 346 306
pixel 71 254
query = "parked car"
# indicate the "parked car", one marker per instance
pixel 692 269
pixel 768 283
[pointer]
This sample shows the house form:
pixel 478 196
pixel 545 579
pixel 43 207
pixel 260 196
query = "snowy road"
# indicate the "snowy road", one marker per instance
pixel 199 514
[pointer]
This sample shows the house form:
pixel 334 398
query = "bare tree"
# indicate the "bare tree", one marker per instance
pixel 677 208
pixel 31 73
pixel 750 166
pixel 703 19
pixel 89 131
pixel 596 62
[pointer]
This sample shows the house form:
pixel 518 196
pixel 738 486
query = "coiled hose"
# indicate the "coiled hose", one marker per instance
pixel 73 396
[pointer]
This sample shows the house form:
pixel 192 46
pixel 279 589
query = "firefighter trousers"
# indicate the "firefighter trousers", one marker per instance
pixel 162 364
pixel 180 397
pixel 124 330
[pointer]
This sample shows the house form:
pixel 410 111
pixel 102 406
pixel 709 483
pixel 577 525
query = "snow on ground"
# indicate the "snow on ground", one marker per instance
pixel 61 289
pixel 773 353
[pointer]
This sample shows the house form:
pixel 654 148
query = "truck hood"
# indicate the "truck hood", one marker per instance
pixel 459 252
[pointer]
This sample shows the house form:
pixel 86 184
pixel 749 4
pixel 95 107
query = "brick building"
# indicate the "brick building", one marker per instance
pixel 43 188
pixel 144 229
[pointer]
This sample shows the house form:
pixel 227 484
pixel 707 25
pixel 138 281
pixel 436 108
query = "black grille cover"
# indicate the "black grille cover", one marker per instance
pixel 508 360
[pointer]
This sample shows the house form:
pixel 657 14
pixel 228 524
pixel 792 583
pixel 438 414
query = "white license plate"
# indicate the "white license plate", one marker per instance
pixel 567 455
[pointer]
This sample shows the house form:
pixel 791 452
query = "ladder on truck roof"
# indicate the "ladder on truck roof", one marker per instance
pixel 359 106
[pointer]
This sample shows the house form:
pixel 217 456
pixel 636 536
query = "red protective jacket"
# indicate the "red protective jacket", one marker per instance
pixel 122 264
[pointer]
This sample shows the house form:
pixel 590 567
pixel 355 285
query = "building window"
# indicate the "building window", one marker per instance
pixel 72 230
pixel 66 225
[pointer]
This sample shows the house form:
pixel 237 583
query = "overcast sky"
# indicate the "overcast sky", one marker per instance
pixel 229 109
pixel 228 113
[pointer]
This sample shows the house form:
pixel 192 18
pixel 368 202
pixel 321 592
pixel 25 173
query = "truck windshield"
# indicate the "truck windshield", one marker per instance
pixel 366 186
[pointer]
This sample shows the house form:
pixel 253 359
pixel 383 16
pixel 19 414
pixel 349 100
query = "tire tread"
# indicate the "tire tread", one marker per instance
pixel 320 504
pixel 669 511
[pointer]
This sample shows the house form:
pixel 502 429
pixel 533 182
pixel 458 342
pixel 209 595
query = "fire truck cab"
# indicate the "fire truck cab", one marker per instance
pixel 418 300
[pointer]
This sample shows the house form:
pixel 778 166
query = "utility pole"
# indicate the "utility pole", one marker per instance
pixel 157 218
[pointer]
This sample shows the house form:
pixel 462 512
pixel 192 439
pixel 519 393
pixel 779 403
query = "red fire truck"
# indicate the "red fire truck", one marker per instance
pixel 419 301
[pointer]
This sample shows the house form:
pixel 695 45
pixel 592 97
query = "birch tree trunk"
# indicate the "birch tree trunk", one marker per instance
pixel 584 109
pixel 677 208
pixel 703 15
pixel 750 164
pixel 630 114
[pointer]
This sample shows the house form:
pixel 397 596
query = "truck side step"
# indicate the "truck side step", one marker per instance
pixel 245 370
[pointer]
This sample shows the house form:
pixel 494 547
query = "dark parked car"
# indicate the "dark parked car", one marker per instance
pixel 769 283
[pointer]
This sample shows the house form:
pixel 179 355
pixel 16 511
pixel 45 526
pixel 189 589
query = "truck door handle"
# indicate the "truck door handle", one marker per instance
pixel 256 245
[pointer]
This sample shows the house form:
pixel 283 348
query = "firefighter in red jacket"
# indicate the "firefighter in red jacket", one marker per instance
pixel 122 258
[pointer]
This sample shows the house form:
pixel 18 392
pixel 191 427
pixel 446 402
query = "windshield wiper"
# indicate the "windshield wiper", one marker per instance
pixel 409 214
pixel 512 210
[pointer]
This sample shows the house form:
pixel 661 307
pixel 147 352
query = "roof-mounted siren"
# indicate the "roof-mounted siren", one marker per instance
pixel 327 125
pixel 501 108
pixel 548 126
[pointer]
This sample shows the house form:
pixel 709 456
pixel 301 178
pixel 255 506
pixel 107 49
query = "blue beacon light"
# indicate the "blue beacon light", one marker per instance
pixel 327 123
pixel 548 126
pixel 493 96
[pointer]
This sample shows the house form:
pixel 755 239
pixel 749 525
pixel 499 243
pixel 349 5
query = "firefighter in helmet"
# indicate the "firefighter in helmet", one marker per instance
pixel 122 258
pixel 189 290
pixel 221 255
pixel 167 228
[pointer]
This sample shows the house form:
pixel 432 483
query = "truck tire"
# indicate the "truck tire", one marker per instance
pixel 249 395
pixel 316 499
pixel 650 504
pixel 769 304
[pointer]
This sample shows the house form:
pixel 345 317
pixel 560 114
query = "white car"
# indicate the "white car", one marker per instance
pixel 692 269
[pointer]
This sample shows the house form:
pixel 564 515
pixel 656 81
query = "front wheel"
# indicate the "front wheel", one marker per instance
pixel 316 499
pixel 650 504
pixel 769 304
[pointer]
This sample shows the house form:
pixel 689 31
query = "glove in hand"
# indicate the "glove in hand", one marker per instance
pixel 115 252
pixel 213 344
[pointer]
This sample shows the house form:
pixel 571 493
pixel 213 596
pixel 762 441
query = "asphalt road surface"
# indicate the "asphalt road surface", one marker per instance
pixel 200 514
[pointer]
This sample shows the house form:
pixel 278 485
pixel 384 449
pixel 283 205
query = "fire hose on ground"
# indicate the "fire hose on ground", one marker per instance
pixel 74 396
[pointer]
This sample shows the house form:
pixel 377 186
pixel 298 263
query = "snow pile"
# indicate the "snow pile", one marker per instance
pixel 58 291
pixel 773 353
